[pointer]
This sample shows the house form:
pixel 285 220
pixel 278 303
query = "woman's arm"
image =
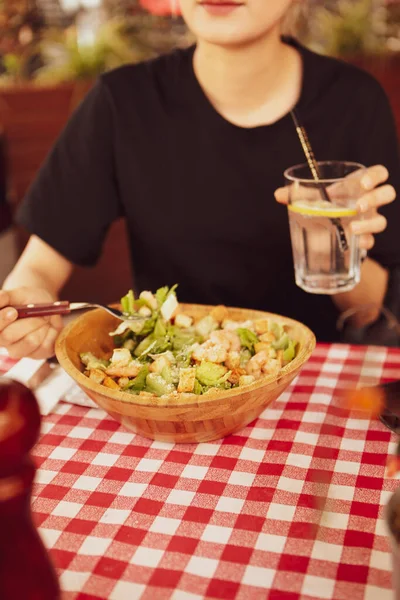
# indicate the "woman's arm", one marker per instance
pixel 37 277
pixel 39 266
pixel 371 290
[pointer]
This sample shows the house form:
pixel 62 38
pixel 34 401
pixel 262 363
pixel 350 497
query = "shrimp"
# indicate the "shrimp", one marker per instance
pixel 229 325
pixel 210 352
pixel 261 363
pixel 233 360
pixel 220 346
pixel 228 339
pixel 130 370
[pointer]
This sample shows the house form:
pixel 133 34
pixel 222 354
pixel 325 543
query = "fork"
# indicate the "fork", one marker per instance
pixel 63 307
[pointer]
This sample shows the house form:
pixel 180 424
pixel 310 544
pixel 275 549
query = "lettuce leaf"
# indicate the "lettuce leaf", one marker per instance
pixel 145 346
pixel 92 362
pixel 276 329
pixel 160 330
pixel 211 374
pixel 198 388
pixel 282 343
pixel 245 356
pixel 157 385
pixel 247 338
pixel 163 293
pixel 138 384
pixel 128 303
pixel 290 352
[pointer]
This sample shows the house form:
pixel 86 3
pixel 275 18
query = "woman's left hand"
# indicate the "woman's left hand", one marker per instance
pixel 375 195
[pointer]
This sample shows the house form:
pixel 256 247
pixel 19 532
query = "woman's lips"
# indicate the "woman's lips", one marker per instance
pixel 220 8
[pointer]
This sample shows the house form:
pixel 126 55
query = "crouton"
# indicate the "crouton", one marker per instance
pixel 110 383
pixel 267 337
pixel 246 380
pixel 129 344
pixel 130 370
pixel 236 374
pixel 183 321
pixel 121 357
pixel 159 364
pixel 219 313
pixel 150 299
pixel 260 346
pixel 97 375
pixel 261 326
pixel 233 325
pixel 144 311
pixel 187 378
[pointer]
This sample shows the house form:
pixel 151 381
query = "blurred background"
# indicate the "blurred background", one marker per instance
pixel 51 51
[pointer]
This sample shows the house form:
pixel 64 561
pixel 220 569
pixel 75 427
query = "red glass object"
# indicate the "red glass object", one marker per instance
pixel 26 572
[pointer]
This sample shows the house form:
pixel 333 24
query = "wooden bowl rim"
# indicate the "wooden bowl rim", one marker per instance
pixel 186 399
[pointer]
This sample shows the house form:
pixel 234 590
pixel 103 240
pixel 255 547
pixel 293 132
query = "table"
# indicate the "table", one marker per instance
pixel 126 518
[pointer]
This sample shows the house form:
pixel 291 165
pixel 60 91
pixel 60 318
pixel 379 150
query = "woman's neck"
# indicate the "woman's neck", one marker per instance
pixel 250 85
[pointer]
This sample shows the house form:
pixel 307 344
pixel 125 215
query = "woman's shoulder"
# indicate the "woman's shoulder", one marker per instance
pixel 347 76
pixel 164 71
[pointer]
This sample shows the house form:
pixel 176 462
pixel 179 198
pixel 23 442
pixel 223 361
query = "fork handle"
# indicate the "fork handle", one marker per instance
pixel 61 307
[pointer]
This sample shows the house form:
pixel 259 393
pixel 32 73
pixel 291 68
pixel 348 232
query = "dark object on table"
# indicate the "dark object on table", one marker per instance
pixel 385 331
pixel 391 414
pixel 393 516
pixel 26 572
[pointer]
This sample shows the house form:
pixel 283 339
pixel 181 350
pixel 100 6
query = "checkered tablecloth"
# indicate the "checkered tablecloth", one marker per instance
pixel 126 518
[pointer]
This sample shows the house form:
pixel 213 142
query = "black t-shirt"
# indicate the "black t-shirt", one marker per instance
pixel 198 191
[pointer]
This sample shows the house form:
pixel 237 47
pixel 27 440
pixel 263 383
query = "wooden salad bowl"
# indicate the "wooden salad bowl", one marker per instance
pixel 183 418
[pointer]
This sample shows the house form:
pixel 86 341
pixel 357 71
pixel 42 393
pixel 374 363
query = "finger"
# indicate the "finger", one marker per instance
pixel 378 197
pixel 374 176
pixel 20 295
pixel 46 349
pixel 4 299
pixel 56 322
pixel 376 224
pixel 29 344
pixel 20 329
pixel 7 316
pixel 282 195
pixel 366 241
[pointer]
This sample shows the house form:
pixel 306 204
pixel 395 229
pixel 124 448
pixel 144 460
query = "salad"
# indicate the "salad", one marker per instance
pixel 168 353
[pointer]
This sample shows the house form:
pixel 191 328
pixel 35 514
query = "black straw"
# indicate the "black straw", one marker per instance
pixel 312 163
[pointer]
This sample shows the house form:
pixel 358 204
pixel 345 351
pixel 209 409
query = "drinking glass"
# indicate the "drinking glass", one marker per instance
pixel 326 253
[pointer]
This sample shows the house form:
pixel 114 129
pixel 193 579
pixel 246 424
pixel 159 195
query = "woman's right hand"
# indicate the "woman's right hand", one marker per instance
pixel 33 337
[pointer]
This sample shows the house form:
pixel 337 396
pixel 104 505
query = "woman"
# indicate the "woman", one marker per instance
pixel 191 148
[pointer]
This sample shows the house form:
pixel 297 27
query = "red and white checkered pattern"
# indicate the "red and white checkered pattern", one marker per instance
pixel 126 518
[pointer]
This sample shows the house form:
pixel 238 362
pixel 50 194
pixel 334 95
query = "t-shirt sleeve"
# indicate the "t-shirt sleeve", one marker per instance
pixel 74 198
pixel 379 145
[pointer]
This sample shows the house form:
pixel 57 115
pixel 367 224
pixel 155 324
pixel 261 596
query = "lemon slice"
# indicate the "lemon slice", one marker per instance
pixel 322 209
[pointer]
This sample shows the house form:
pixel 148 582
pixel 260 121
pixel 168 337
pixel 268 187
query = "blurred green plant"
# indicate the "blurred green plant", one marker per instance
pixel 348 28
pixel 85 50
pixel 67 59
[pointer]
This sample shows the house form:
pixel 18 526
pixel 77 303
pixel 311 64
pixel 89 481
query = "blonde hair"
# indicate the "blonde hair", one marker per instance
pixel 296 12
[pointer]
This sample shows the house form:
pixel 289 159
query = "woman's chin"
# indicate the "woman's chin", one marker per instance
pixel 223 34
pixel 235 30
